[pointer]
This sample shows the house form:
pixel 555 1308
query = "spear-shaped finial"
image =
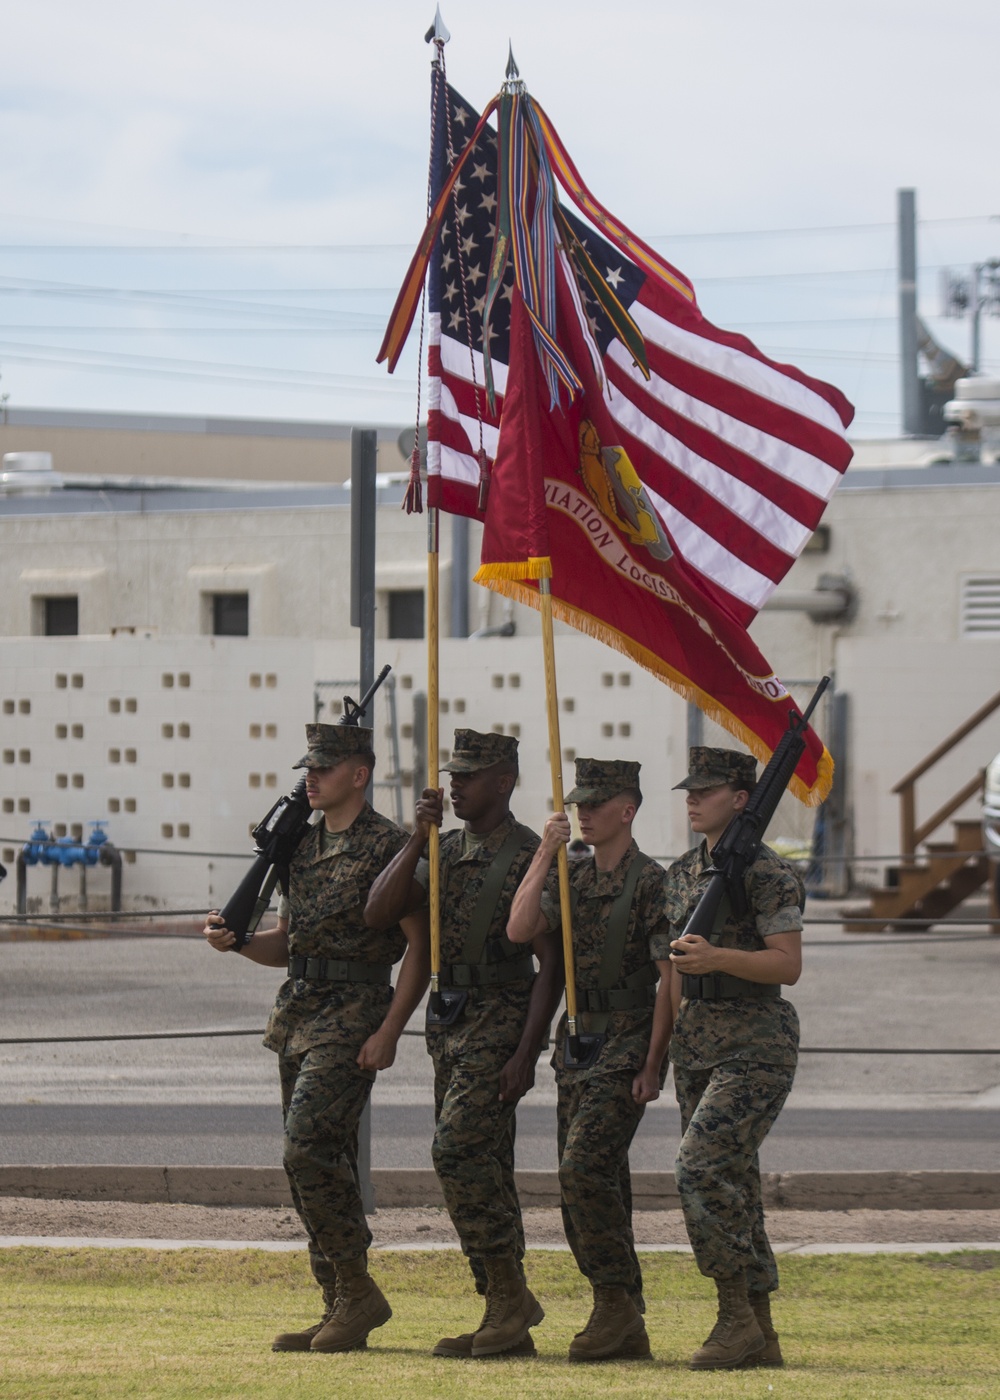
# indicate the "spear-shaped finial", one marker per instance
pixel 437 34
pixel 513 84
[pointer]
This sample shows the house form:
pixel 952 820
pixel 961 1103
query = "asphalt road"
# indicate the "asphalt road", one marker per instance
pixel 212 1100
pixel 249 1135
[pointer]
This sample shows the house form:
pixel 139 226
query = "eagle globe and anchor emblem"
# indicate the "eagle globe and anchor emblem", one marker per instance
pixel 614 486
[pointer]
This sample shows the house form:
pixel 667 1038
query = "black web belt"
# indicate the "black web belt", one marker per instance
pixel 636 991
pixel 335 970
pixel 720 986
pixel 488 974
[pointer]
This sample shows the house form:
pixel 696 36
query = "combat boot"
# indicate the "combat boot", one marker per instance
pixel 615 1329
pixel 300 1341
pixel 460 1347
pixel 511 1308
pixel 360 1307
pixel 771 1353
pixel 736 1335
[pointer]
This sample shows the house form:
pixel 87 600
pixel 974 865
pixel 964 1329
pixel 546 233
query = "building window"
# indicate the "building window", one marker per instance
pixel 231 614
pixel 60 617
pixel 406 612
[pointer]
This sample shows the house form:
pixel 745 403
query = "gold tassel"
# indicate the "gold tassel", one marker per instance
pixel 413 500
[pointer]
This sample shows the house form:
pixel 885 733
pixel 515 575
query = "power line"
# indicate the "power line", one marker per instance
pixel 210 301
pixel 314 381
pixel 192 248
pixel 377 323
pixel 377 327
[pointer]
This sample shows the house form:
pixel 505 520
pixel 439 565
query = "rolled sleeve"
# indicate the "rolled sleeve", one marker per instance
pixel 785 920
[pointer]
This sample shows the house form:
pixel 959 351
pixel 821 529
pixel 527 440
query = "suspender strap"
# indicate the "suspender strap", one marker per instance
pixel 612 993
pixel 489 896
pixel 614 943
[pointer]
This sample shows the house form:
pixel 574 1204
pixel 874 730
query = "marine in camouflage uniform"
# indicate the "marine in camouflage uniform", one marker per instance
pixel 600 1104
pixel 335 1022
pixel 734 1051
pixel 486 1039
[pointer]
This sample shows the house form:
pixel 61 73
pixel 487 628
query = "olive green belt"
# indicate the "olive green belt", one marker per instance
pixel 720 986
pixel 632 994
pixel 335 970
pixel 488 974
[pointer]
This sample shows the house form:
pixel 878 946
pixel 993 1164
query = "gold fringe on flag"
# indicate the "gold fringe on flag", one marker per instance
pixel 510 586
pixel 490 574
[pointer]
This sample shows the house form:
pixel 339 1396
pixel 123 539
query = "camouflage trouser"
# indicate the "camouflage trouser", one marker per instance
pixel 473 1152
pixel 323 1094
pixel 726 1113
pixel 597 1119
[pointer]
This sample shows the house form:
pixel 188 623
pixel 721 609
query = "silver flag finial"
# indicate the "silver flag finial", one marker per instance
pixel 437 34
pixel 513 72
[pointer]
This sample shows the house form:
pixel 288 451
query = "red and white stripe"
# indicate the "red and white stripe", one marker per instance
pixel 738 455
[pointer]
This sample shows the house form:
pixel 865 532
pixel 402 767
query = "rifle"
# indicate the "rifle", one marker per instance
pixel 738 846
pixel 278 837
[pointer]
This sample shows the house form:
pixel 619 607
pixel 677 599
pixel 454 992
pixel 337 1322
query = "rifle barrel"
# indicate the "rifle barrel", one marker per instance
pixel 807 713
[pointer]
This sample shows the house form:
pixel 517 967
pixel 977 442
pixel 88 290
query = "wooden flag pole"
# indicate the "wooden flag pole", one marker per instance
pixel 555 763
pixel 433 749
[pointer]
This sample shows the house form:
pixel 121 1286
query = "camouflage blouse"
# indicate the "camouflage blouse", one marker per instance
pixel 493 1016
pixel 593 893
pixel 329 880
pixel 710 1033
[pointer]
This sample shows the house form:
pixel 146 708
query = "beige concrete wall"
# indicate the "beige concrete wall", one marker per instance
pixel 181 744
pixel 214 455
pixel 909 676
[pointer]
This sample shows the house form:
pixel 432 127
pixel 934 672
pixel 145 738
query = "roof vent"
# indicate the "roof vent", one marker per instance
pixel 28 474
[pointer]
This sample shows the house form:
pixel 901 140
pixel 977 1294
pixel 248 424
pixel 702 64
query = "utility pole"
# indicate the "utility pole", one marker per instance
pixel 906 222
pixel 985 297
pixel 363 458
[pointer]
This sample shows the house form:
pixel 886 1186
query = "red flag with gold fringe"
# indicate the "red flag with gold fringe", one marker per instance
pixel 663 473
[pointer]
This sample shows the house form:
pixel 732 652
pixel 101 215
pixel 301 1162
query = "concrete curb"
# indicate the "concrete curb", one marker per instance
pixel 267 1186
pixel 423 1247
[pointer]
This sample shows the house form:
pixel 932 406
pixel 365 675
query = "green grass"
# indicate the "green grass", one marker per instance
pixel 86 1323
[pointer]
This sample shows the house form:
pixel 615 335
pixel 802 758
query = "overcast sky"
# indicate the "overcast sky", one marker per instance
pixel 758 146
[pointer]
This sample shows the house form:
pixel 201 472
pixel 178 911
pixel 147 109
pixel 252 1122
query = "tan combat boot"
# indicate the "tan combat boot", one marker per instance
pixel 771 1353
pixel 300 1341
pixel 511 1308
pixel 615 1329
pixel 460 1347
pixel 736 1335
pixel 360 1307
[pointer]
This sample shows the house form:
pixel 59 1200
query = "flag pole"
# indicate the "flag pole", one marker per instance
pixel 555 764
pixel 433 750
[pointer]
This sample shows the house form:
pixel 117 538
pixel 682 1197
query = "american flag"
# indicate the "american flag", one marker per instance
pixel 738 454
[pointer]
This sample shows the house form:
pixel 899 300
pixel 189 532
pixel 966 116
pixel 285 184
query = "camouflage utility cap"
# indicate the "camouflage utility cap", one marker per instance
pixel 709 768
pixel 330 743
pixel 473 751
pixel 598 779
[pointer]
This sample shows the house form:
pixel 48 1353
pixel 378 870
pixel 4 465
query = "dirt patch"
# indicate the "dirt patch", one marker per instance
pixel 21 1216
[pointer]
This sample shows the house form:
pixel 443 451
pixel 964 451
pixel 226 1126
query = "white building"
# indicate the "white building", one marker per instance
pixel 162 642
